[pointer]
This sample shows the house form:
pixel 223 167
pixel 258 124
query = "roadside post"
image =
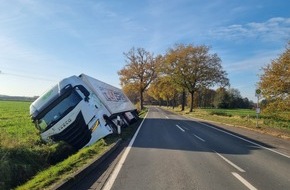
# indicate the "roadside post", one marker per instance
pixel 258 109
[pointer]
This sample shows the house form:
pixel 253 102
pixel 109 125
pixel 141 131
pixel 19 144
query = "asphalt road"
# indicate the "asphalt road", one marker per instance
pixel 173 152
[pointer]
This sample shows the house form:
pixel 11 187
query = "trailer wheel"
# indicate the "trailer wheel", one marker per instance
pixel 125 123
pixel 111 124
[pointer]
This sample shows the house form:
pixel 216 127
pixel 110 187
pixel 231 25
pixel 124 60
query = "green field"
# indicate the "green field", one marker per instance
pixel 16 128
pixel 22 153
pixel 23 156
pixel 232 112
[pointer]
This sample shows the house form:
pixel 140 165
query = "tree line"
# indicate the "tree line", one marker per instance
pixel 225 98
pixel 187 74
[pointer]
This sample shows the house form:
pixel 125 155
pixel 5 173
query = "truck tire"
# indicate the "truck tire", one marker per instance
pixel 125 123
pixel 111 124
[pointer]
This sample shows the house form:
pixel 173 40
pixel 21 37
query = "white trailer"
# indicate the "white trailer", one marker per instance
pixel 80 110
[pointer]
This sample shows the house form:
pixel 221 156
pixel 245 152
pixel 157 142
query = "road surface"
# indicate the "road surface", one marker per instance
pixel 174 152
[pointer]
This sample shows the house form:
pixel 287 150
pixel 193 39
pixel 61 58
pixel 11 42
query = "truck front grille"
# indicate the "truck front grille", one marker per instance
pixel 77 134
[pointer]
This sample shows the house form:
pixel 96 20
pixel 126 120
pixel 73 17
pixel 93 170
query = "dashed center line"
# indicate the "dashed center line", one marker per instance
pixel 199 138
pixel 180 128
pixel 236 175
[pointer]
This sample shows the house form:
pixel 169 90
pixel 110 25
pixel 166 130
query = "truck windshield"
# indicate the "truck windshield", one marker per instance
pixel 58 110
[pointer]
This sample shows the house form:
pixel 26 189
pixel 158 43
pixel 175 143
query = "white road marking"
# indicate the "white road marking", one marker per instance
pixel 180 128
pixel 199 138
pixel 245 182
pixel 231 163
pixel 251 142
pixel 118 167
pixel 167 117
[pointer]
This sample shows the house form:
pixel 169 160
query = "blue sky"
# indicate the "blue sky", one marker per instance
pixel 42 42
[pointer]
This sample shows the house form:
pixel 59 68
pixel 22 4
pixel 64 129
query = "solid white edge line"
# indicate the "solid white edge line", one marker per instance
pixel 251 142
pixel 199 138
pixel 231 163
pixel 180 128
pixel 245 182
pixel 119 165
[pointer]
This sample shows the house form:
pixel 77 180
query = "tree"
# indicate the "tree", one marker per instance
pixel 131 93
pixel 164 89
pixel 193 67
pixel 231 98
pixel 275 84
pixel 221 99
pixel 235 98
pixel 141 69
pixel 154 92
pixel 205 97
pixel 247 103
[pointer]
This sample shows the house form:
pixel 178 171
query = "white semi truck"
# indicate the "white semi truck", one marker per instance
pixel 80 110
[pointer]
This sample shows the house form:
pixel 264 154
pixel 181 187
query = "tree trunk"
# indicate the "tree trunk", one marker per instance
pixel 141 100
pixel 191 102
pixel 173 103
pixel 183 100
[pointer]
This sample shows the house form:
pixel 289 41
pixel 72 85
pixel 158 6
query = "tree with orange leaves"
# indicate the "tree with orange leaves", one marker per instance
pixel 275 85
pixel 141 69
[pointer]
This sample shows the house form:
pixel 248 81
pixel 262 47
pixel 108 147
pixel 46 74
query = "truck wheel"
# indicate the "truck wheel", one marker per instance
pixel 125 123
pixel 112 125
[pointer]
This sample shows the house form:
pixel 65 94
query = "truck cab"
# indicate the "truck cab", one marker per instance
pixel 70 112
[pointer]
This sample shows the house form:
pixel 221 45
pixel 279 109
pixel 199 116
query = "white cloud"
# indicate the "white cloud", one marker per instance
pixel 274 29
pixel 244 73
pixel 251 64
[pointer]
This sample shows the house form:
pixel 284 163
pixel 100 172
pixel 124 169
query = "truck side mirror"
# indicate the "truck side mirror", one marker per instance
pixel 84 91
